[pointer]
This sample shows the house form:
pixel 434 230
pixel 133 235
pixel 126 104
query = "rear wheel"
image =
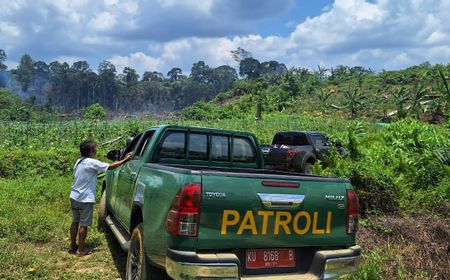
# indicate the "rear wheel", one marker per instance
pixel 309 168
pixel 102 213
pixel 137 265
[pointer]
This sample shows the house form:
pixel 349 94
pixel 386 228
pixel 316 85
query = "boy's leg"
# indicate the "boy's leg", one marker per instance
pixel 74 226
pixel 85 221
pixel 73 235
pixel 82 233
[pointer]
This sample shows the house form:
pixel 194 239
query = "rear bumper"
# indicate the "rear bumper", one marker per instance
pixel 326 264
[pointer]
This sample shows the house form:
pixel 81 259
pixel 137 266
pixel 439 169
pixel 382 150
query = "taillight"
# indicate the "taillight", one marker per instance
pixel 352 212
pixel 183 216
pixel 290 153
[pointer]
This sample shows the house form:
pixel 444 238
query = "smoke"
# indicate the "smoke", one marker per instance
pixel 35 91
pixel 5 78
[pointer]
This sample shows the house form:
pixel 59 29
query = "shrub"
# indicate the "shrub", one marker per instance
pixel 94 112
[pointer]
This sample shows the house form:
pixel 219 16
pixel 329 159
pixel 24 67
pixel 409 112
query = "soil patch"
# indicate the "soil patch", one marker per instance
pixel 418 245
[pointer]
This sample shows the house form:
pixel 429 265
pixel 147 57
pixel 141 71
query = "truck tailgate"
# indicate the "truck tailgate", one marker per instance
pixel 261 211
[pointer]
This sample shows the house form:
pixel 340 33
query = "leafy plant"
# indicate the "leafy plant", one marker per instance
pixel 94 112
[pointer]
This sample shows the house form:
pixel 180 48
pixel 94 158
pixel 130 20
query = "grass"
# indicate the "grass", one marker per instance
pixel 395 165
pixel 34 221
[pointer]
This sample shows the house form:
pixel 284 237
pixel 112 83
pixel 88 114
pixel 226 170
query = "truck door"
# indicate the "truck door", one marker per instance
pixel 320 144
pixel 127 179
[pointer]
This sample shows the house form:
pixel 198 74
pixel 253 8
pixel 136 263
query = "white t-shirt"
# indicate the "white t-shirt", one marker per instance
pixel 85 179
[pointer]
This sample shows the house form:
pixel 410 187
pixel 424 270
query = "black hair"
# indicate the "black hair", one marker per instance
pixel 87 148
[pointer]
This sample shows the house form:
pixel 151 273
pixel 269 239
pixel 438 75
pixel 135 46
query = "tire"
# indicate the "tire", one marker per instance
pixel 138 267
pixel 102 213
pixel 308 169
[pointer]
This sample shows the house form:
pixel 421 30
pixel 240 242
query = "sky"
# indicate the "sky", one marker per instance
pixel 157 35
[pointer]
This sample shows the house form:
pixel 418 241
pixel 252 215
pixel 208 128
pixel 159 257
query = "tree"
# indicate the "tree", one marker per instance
pixel 152 76
pixel 223 77
pixel 250 68
pixel 200 72
pixel 240 54
pixel 131 77
pixel 273 68
pixel 24 72
pixel 107 86
pixel 2 60
pixel 174 74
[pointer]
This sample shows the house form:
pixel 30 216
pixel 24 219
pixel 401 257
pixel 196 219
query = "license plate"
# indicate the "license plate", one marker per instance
pixel 270 258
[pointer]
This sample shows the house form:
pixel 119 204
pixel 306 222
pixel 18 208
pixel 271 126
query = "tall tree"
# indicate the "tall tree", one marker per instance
pixel 200 72
pixel 107 87
pixel 131 77
pixel 152 76
pixel 240 54
pixel 223 77
pixel 174 74
pixel 24 72
pixel 250 68
pixel 2 60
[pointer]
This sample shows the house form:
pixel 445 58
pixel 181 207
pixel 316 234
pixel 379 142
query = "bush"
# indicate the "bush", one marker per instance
pixel 25 163
pixel 94 112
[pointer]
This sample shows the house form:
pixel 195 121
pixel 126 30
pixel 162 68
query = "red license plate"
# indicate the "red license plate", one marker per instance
pixel 269 258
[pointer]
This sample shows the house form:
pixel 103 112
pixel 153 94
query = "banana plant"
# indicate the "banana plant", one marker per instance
pixel 401 98
pixel 444 90
pixel 354 101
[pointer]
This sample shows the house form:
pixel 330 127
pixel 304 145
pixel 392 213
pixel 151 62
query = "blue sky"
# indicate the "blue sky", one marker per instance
pixel 156 35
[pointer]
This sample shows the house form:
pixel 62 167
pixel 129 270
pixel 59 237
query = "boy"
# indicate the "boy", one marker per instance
pixel 82 195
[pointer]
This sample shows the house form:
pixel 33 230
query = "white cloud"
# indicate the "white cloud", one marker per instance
pixel 103 21
pixel 8 29
pixel 156 35
pixel 138 61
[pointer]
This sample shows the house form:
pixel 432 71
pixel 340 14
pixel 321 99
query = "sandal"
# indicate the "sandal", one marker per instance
pixel 86 252
pixel 72 250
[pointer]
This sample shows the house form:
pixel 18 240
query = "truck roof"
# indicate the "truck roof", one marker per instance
pixel 199 128
pixel 302 131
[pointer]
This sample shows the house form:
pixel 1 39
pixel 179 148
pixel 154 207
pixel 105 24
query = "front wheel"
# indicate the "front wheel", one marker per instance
pixel 102 213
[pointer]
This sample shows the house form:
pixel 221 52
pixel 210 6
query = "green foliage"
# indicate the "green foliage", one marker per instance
pixel 371 267
pixel 207 111
pixel 13 108
pixel 40 163
pixel 94 112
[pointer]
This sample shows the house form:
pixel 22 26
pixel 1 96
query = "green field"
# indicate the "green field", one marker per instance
pixel 400 172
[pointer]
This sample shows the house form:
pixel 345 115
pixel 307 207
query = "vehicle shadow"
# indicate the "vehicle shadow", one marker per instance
pixel 118 255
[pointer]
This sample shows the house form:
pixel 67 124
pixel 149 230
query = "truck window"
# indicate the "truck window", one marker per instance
pixel 131 147
pixel 173 145
pixel 198 146
pixel 143 144
pixel 243 151
pixel 290 139
pixel 220 148
pixel 318 140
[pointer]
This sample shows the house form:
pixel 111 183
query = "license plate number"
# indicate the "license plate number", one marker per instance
pixel 270 258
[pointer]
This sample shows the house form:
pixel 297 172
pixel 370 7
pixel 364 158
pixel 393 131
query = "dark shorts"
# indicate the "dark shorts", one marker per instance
pixel 82 212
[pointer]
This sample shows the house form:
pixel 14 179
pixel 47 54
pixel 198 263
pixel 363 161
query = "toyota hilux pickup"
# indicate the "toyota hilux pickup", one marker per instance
pixel 197 203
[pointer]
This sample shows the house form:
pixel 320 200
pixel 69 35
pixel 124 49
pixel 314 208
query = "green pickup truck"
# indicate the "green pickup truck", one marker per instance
pixel 197 203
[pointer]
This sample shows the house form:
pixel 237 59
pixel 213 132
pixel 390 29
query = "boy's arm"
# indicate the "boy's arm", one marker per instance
pixel 118 163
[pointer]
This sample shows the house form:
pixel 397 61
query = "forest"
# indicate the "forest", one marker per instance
pixel 420 91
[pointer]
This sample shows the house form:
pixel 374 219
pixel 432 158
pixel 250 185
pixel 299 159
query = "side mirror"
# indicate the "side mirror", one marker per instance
pixel 129 140
pixel 114 155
